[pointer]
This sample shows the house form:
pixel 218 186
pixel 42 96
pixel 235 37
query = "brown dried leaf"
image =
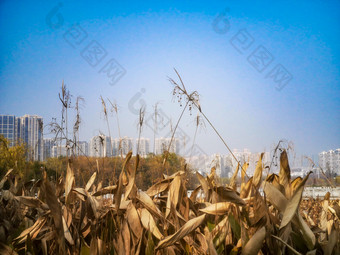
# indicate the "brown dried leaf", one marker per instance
pixel 32 202
pixel 284 174
pixel 183 231
pixel 233 178
pixel 105 190
pixel 149 204
pixel 67 233
pixel 229 195
pixel 217 209
pixel 53 204
pixel 293 203
pixel 149 223
pixel 132 176
pixel 254 245
pixel 258 172
pixel 275 197
pixel 134 221
pixel 174 195
pixel 204 184
pixel 69 182
pixel 119 192
pixel 91 181
pixel 158 188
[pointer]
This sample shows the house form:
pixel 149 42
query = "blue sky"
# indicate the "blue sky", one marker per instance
pixel 150 38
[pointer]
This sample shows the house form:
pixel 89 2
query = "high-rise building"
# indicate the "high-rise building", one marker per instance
pixel 100 146
pixel 27 129
pixel 82 148
pixel 31 132
pixel 48 145
pixel 162 144
pixel 60 151
pixel 144 146
pixel 127 145
pixel 10 128
pixel 330 161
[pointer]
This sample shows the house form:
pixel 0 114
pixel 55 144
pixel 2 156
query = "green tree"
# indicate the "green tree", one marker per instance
pixel 12 157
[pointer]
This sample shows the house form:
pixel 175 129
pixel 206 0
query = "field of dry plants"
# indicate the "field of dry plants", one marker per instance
pixel 262 214
pixel 60 218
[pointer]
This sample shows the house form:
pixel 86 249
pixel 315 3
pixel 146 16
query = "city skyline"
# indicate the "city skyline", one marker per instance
pixel 29 129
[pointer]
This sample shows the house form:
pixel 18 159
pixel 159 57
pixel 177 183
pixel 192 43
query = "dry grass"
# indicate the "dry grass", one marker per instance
pixel 60 218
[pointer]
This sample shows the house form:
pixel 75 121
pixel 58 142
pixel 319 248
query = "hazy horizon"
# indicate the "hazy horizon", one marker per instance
pixel 215 47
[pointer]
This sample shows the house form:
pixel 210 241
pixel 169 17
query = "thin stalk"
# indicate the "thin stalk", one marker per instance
pixel 173 134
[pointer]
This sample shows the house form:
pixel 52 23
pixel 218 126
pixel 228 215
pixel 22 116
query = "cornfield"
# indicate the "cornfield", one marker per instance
pixel 266 216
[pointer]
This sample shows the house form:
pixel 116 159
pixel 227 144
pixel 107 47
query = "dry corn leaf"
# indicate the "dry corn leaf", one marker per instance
pixel 229 195
pixel 275 197
pixel 149 204
pixel 233 178
pixel 35 228
pixel 208 237
pixel 332 240
pixel 3 180
pixel 307 233
pixel 149 223
pixel 32 202
pixel 204 184
pixel 254 244
pixel 183 231
pixel 53 204
pixel 293 203
pixel 258 172
pixel 158 188
pixel 119 192
pixel 105 190
pixel 91 181
pixel 126 237
pixel 173 195
pixel 67 233
pixel 284 174
pixel 133 220
pixel 290 247
pixel 132 176
pixel 217 209
pixel 69 183
pixel 247 188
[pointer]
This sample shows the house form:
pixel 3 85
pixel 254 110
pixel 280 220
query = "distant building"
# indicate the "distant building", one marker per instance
pixel 10 128
pixel 27 129
pixel 31 132
pixel 330 161
pixel 162 144
pixel 82 148
pixel 144 146
pixel 127 145
pixel 60 151
pixel 48 146
pixel 100 146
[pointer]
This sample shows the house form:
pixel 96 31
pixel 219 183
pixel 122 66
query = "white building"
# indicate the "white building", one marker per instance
pixel 330 161
pixel 144 146
pixel 100 146
pixel 82 148
pixel 31 132
pixel 48 146
pixel 127 145
pixel 162 144
pixel 59 151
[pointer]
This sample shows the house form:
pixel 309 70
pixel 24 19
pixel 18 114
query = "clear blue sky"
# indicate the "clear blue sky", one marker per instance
pixel 150 38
